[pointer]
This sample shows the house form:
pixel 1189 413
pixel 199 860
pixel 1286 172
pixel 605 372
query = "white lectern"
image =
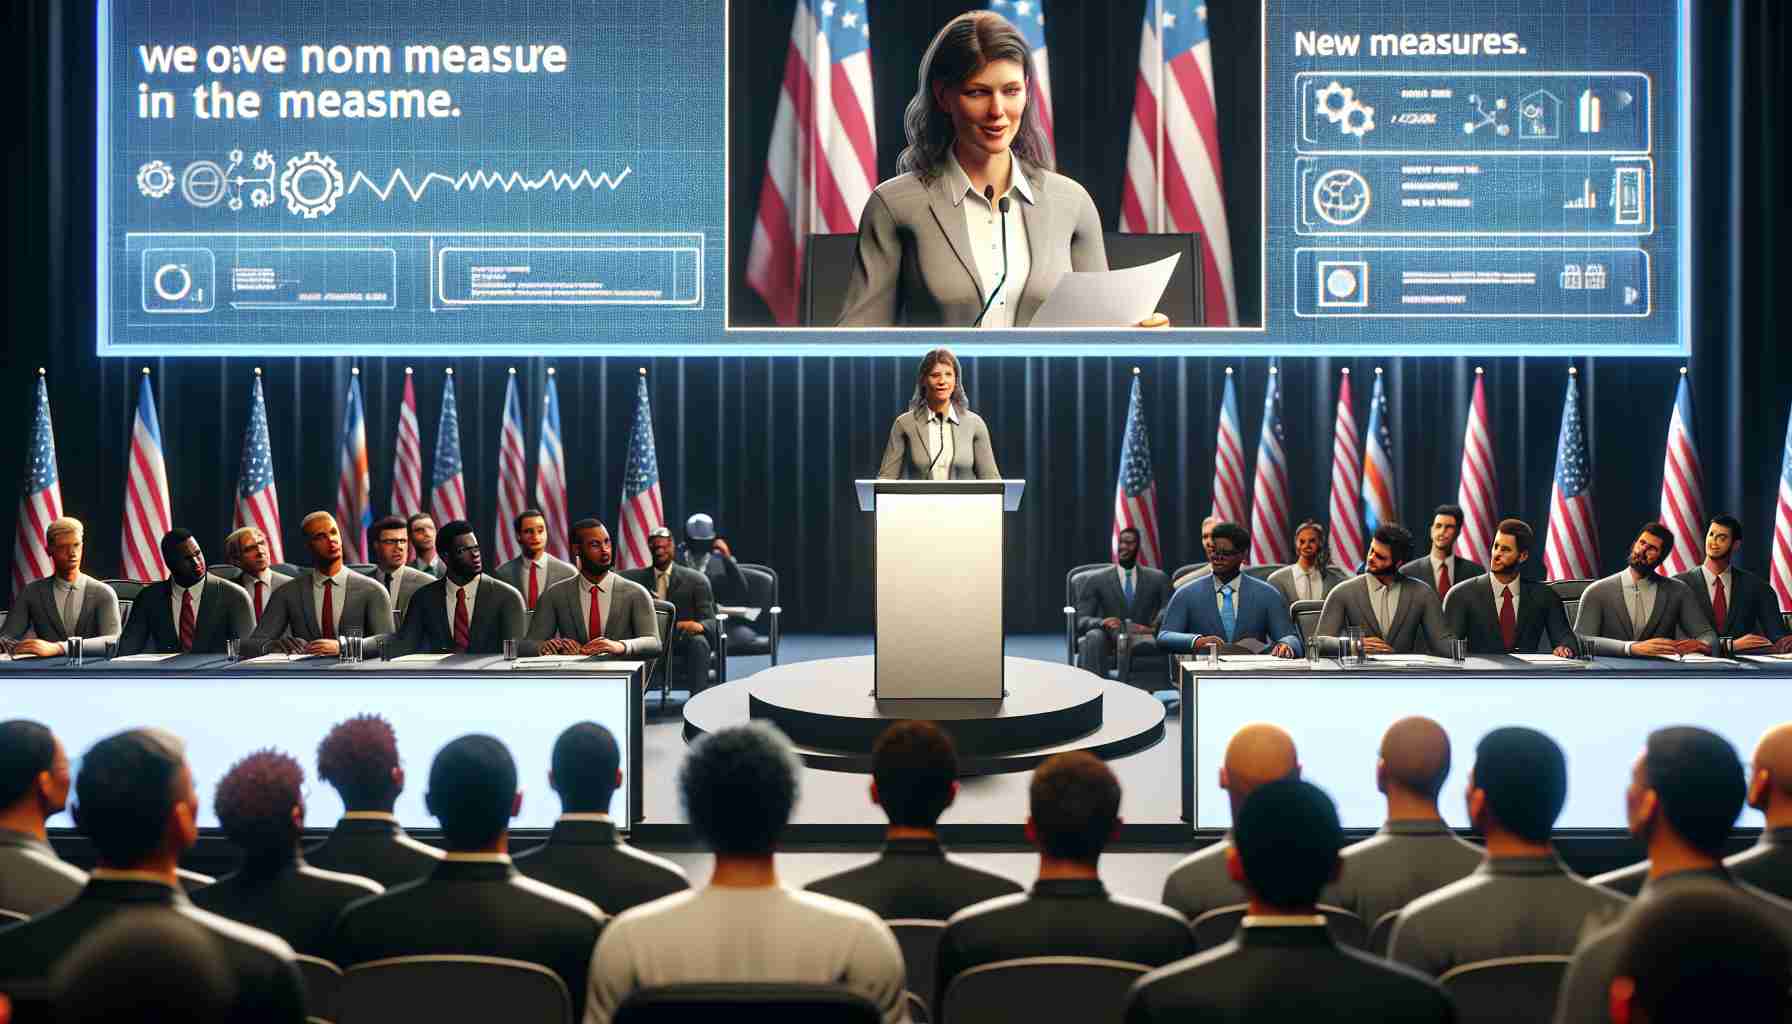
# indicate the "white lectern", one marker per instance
pixel 939 586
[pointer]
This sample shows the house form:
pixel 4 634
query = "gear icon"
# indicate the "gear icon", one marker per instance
pixel 261 198
pixel 311 185
pixel 1335 101
pixel 1359 120
pixel 155 179
pixel 264 160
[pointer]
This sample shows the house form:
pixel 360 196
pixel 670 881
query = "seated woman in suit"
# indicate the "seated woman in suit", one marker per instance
pixel 934 242
pixel 939 437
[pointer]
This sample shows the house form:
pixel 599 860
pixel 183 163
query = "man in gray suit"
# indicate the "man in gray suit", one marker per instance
pixel 693 604
pixel 190 612
pixel 1521 901
pixel 34 784
pixel 1312 577
pixel 464 612
pixel 67 603
pixel 1768 864
pixel 1397 614
pixel 1255 756
pixel 391 553
pixel 533 571
pixel 328 602
pixel 1440 566
pixel 596 612
pixel 1108 600
pixel 1611 609
pixel 247 549
pixel 1702 952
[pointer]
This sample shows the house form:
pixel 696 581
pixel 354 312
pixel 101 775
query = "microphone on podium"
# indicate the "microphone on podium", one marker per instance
pixel 989 193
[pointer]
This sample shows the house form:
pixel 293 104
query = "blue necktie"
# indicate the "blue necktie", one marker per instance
pixel 1228 614
pixel 1127 589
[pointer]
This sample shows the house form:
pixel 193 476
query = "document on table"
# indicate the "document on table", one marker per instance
pixel 1704 659
pixel 1260 662
pixel 1412 661
pixel 145 657
pixel 1765 659
pixel 277 658
pixel 416 659
pixel 1550 661
pixel 1106 298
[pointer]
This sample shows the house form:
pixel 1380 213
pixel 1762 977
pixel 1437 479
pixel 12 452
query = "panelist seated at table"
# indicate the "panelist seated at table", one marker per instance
pixel 464 612
pixel 391 555
pixel 1441 566
pixel 1502 613
pixel 1107 601
pixel 191 612
pixel 596 612
pixel 1227 607
pixel 247 548
pixel 328 602
pixel 534 570
pixel 1635 613
pixel 1740 605
pixel 67 603
pixel 1312 576
pixel 1397 614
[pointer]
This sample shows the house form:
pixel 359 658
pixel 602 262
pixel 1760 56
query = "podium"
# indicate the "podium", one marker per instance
pixel 939 586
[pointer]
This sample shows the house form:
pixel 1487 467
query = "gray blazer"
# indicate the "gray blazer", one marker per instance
pixel 516 573
pixel 1604 619
pixel 408 580
pixel 561 613
pixel 1418 626
pixel 1283 579
pixel 906 456
pixel 366 609
pixel 36 610
pixel 915 267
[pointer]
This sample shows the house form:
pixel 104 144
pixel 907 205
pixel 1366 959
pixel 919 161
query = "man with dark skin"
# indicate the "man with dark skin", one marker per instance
pixel 464 612
pixel 593 552
pixel 1227 559
pixel 662 548
pixel 162 607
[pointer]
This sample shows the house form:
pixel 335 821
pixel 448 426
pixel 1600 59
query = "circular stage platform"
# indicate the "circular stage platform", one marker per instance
pixel 827 710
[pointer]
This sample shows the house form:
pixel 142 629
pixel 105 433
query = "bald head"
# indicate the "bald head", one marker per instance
pixel 1415 756
pixel 1770 780
pixel 1259 753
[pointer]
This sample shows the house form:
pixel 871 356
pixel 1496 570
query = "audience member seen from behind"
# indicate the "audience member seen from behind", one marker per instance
pixel 1256 755
pixel 584 854
pixel 1698 953
pixel 474 903
pixel 914 778
pixel 261 805
pixel 1414 852
pixel 359 758
pixel 1073 813
pixel 134 801
pixel 1522 900
pixel 34 784
pixel 143 967
pixel 66 604
pixel 738 786
pixel 1284 965
pixel 1768 864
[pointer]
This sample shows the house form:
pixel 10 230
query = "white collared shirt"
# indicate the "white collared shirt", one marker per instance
pixel 941 434
pixel 337 600
pixel 452 589
pixel 176 591
pixel 69 599
pixel 983 222
pixel 1499 595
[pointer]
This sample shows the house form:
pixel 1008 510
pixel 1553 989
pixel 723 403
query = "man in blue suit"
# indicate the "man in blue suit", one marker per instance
pixel 1228 607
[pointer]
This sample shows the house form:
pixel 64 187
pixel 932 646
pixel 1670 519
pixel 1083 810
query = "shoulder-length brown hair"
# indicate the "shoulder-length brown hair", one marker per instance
pixel 960 50
pixel 917 404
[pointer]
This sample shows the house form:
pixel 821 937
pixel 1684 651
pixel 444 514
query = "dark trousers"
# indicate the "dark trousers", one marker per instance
pixel 1096 649
pixel 690 661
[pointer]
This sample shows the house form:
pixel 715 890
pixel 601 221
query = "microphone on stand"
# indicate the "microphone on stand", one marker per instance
pixel 989 193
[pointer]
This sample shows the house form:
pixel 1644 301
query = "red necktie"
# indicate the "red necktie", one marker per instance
pixel 595 627
pixel 1443 578
pixel 534 587
pixel 1720 608
pixel 186 621
pixel 460 620
pixel 1508 620
pixel 327 627
pixel 259 586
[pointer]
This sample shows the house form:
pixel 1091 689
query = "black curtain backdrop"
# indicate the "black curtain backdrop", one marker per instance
pixel 1093 49
pixel 770 446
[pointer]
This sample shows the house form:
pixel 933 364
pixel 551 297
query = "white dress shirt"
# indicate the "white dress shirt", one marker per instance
pixel 983 222
pixel 176 592
pixel 941 432
pixel 337 600
pixel 452 590
pixel 1499 595
pixel 604 592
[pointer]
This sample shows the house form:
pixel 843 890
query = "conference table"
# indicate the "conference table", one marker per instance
pixel 1600 712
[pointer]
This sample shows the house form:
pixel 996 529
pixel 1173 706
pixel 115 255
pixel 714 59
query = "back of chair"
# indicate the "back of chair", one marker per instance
pixel 1570 590
pixel 920 942
pixel 288 569
pixel 1073 580
pixel 1306 616
pixel 1507 990
pixel 1263 571
pixel 364 568
pixel 127 590
pixel 1185 574
pixel 443 989
pixel 1381 937
pixel 663 614
pixel 765 592
pixel 323 985
pixel 233 573
pixel 1040 988
pixel 12 917
pixel 787 1003
pixel 1217 926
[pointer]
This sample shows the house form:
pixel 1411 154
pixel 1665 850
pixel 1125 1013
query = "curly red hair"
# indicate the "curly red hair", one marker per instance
pixel 357 758
pixel 255 800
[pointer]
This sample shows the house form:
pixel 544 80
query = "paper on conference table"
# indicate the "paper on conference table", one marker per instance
pixel 1550 661
pixel 145 657
pixel 1106 298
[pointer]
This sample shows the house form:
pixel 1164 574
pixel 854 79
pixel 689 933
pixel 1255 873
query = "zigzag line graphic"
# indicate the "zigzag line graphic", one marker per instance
pixel 486 180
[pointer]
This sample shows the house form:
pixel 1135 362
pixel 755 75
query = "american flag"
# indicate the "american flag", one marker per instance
pixel 642 509
pixel 1477 487
pixel 550 471
pixel 1173 114
pixel 821 164
pixel 1782 517
pixel 1683 487
pixel 354 486
pixel 407 456
pixel 1029 17
pixel 1379 505
pixel 1270 542
pixel 513 478
pixel 1570 547
pixel 1228 459
pixel 146 515
pixel 257 501
pixel 448 501
pixel 1135 492
pixel 1347 545
pixel 40 499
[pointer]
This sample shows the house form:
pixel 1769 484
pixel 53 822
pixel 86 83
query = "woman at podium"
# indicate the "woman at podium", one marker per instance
pixel 939 437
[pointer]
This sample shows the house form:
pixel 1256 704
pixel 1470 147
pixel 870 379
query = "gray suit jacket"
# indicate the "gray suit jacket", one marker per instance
pixel 366 609
pixel 1199 882
pixel 408 580
pixel 1418 626
pixel 1604 619
pixel 1401 862
pixel 915 266
pixel 561 612
pixel 1283 579
pixel 36 610
pixel 516 573
pixel 276 580
pixel 32 878
pixel 906 456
